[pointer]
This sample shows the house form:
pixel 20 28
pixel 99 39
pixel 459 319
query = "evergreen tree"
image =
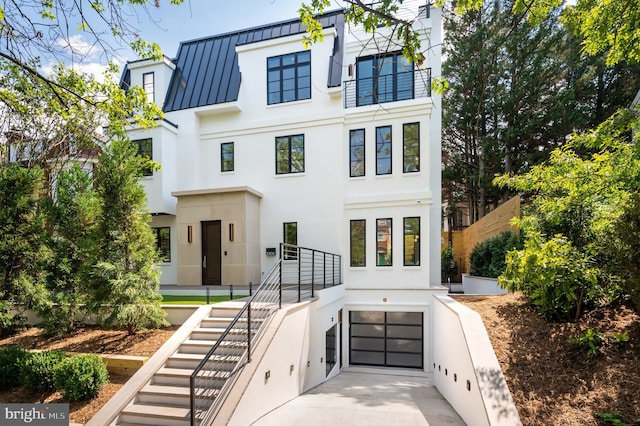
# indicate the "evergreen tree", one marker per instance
pixel 23 249
pixel 125 280
pixel 72 218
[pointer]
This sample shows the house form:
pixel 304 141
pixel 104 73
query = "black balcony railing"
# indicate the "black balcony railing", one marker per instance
pixel 387 88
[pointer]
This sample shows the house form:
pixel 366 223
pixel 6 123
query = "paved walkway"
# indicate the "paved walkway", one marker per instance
pixel 367 397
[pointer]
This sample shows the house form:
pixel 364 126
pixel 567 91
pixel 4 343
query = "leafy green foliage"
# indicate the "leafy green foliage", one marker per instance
pixel 11 358
pixel 488 257
pixel 80 377
pixel 614 419
pixel 554 275
pixel 589 341
pixel 125 280
pixel 448 263
pixel 36 371
pixel 23 253
pixel 10 322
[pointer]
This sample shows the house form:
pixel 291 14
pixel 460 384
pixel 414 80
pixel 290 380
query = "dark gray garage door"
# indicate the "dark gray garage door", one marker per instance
pixel 387 339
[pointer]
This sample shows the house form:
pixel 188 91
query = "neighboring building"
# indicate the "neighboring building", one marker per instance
pixel 336 148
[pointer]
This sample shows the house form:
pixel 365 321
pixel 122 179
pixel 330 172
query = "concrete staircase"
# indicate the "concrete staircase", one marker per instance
pixel 158 393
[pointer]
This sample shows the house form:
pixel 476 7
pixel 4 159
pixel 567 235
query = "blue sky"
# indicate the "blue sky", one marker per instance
pixel 201 18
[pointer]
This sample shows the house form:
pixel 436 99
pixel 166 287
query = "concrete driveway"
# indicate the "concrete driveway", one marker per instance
pixel 368 397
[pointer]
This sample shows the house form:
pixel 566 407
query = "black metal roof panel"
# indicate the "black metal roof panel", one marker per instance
pixel 207 71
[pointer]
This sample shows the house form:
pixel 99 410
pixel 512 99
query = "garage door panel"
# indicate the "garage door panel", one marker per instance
pixel 388 339
pixel 361 343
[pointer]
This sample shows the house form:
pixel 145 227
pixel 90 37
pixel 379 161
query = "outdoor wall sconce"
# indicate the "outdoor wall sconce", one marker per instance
pixel 189 233
pixel 291 369
pixel 267 375
pixel 231 232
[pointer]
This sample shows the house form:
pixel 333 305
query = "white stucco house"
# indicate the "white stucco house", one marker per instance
pixel 335 147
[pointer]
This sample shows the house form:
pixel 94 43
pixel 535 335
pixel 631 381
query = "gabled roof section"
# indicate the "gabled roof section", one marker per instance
pixel 207 71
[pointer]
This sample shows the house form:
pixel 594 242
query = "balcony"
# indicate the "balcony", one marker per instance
pixel 387 88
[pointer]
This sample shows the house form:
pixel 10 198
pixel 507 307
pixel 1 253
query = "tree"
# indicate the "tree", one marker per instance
pixel 72 216
pixel 23 252
pixel 126 279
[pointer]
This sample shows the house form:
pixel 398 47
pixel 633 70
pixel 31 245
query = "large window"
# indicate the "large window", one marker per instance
pixel 358 242
pixel 411 241
pixel 383 150
pixel 226 157
pixel 163 243
pixel 383 242
pixel 356 153
pixel 290 154
pixel 149 86
pixel 145 149
pixel 290 237
pixel 382 79
pixel 289 77
pixel 411 147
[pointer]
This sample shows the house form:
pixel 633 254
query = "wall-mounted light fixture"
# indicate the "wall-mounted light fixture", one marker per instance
pixel 231 232
pixel 189 233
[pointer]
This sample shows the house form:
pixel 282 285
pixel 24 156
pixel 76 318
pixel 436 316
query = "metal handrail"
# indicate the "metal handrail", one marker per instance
pixel 385 88
pixel 204 382
pixel 215 374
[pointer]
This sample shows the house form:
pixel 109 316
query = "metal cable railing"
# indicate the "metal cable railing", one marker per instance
pixel 387 88
pixel 215 374
pixel 292 279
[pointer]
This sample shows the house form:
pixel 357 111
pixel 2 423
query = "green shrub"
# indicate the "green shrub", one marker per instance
pixel 589 341
pixel 80 377
pixel 555 276
pixel 448 264
pixel 488 257
pixel 11 358
pixel 10 323
pixel 36 372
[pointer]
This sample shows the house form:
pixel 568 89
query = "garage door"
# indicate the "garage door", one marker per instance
pixel 386 339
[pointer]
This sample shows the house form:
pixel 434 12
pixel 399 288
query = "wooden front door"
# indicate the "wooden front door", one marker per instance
pixel 212 253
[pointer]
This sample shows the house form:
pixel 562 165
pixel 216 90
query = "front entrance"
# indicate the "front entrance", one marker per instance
pixel 212 252
pixel 386 339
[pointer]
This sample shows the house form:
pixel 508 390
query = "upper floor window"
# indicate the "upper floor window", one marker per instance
pixel 383 242
pixel 289 77
pixel 411 241
pixel 383 150
pixel 356 153
pixel 148 86
pixel 411 147
pixel 385 78
pixel 290 154
pixel 358 242
pixel 226 157
pixel 145 149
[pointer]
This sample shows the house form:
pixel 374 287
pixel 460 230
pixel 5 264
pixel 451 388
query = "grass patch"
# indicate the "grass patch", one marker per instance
pixel 170 299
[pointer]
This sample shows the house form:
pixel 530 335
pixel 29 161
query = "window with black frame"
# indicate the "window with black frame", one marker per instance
pixel 290 238
pixel 145 150
pixel 163 243
pixel 289 154
pixel 411 147
pixel 411 241
pixel 289 77
pixel 226 157
pixel 356 153
pixel 384 78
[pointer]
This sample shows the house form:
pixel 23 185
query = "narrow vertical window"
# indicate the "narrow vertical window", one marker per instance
pixel 290 239
pixel 411 241
pixel 411 147
pixel 226 157
pixel 149 86
pixel 163 243
pixel 290 154
pixel 358 242
pixel 383 150
pixel 356 153
pixel 145 150
pixel 383 242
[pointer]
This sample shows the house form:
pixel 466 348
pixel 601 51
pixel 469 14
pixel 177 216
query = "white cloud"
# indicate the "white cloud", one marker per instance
pixel 77 46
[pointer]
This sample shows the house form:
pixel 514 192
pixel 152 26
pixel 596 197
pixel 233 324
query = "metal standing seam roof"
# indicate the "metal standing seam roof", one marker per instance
pixel 207 71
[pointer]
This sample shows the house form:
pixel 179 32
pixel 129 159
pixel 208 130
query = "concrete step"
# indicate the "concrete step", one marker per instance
pixel 217 322
pixel 180 376
pixel 190 361
pixel 150 414
pixel 190 346
pixel 165 395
